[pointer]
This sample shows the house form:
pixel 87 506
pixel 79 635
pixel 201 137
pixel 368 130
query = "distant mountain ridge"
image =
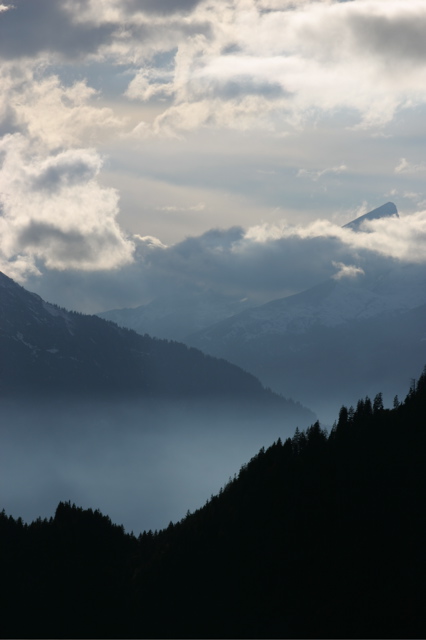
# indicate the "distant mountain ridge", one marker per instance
pixel 335 338
pixel 186 312
pixel 317 344
pixel 176 316
pixel 47 350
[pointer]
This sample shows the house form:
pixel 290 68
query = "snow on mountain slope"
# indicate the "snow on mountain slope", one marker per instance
pixel 331 303
pixel 336 341
pixel 174 317
pixel 189 311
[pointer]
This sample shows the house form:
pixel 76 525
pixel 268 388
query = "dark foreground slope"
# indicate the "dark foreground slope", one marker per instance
pixel 322 536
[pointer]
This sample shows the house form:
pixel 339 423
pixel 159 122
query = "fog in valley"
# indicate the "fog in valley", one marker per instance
pixel 144 466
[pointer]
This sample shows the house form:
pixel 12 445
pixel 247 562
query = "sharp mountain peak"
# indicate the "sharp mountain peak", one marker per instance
pixel 385 211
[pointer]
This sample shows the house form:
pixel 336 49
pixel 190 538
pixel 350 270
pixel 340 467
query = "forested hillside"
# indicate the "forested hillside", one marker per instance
pixel 48 351
pixel 319 536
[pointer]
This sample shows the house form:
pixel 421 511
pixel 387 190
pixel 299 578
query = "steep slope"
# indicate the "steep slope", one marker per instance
pixel 321 536
pixel 46 350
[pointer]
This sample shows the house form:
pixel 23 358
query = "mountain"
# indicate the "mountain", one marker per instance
pixel 321 536
pixel 176 316
pixel 145 428
pixel 190 310
pixel 385 211
pixel 336 339
pixel 47 350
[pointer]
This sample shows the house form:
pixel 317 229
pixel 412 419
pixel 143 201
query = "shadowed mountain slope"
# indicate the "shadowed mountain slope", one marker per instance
pixel 47 350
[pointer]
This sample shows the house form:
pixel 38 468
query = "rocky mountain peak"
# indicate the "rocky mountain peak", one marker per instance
pixel 385 211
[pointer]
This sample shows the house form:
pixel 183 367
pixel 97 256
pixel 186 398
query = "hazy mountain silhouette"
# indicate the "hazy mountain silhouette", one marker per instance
pixel 176 316
pixel 47 350
pixel 100 413
pixel 321 536
pixel 336 339
pixel 191 308
pixel 329 342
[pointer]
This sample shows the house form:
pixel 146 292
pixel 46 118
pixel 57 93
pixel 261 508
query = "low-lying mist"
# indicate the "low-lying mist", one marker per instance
pixel 142 464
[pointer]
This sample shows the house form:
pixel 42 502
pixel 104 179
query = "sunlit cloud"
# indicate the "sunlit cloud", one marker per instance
pixel 303 58
pixel 54 210
pixel 346 271
pixel 93 86
pixel 401 238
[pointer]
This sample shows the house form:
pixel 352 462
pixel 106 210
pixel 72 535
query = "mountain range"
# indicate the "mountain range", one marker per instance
pixel 333 341
pixel 177 315
pixel 327 344
pixel 318 535
pixel 47 350
pixel 144 427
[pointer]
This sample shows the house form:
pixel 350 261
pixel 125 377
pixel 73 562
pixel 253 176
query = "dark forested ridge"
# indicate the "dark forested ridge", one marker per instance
pixel 48 352
pixel 320 536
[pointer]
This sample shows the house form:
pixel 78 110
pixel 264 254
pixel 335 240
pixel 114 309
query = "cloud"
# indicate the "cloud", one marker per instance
pixel 301 58
pixel 145 86
pixel 270 259
pixel 316 175
pixel 45 110
pixel 161 6
pixel 54 212
pixel 346 271
pixel 277 66
pixel 267 64
pixel 149 241
pixel 261 263
pixel 31 28
pixel 408 167
pixel 66 169
pixel 400 238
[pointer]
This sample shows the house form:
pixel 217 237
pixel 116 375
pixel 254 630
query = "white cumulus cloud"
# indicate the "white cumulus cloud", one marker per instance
pixel 54 211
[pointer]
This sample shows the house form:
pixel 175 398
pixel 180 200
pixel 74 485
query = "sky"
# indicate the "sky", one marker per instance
pixel 150 146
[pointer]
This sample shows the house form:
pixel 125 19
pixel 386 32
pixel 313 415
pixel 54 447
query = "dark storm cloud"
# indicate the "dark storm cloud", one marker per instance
pixel 220 260
pixel 246 85
pixel 161 6
pixel 57 176
pixel 225 261
pixel 226 256
pixel 8 121
pixel 67 243
pixel 29 28
pixel 71 245
pixel 399 38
